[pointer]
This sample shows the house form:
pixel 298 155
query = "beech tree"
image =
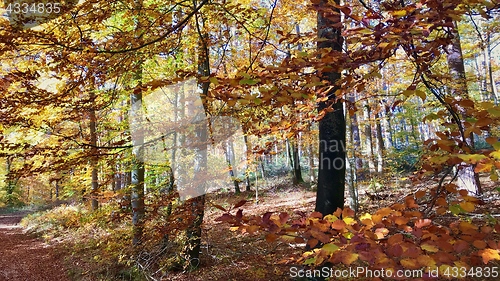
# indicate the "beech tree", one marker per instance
pixel 332 126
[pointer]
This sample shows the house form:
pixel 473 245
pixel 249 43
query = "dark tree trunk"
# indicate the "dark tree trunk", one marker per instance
pixel 297 171
pixel 332 127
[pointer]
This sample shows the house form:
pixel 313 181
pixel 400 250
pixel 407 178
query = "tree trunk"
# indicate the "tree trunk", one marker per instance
pixel 312 174
pixel 332 127
pixel 138 171
pixel 468 179
pixel 490 71
pixel 247 166
pixel 380 144
pixel 369 140
pixel 196 205
pixel 297 171
pixel 356 141
pixel 230 159
pixel 94 159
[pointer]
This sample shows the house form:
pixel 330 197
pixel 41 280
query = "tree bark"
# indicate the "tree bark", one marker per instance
pixel 196 205
pixel 94 159
pixel 468 179
pixel 332 127
pixel 297 171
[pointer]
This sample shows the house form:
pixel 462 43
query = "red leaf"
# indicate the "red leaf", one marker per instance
pixel 239 214
pixel 224 217
pixel 284 217
pixel 266 218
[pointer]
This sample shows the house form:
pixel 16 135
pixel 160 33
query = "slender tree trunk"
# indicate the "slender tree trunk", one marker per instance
pixel 137 174
pixel 380 144
pixel 490 71
pixel 312 174
pixel 297 171
pixel 196 205
pixel 247 166
pixel 94 159
pixel 369 140
pixel 356 141
pixel 332 127
pixel 468 179
pixel 230 159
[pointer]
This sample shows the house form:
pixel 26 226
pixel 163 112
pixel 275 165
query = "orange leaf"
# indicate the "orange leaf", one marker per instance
pixel 394 239
pixel 488 255
pixel 422 223
pixel 381 232
pixel 312 243
pixel 420 194
pixel 426 260
pixel 271 237
pixel 349 257
pixel 338 225
pixel 480 244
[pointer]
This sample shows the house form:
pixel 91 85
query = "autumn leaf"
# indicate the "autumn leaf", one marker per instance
pixel 467 206
pixel 329 248
pixel 429 248
pixel 488 255
pixel 409 263
pixel 480 244
pixel 425 260
pixel 239 204
pixel 423 223
pixel 338 225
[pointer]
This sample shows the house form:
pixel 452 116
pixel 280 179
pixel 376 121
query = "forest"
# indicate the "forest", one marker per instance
pixel 249 140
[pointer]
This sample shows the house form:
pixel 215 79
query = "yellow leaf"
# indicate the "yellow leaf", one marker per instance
pixel 429 248
pixel 399 13
pixel 467 206
pixel 426 260
pixel 349 221
pixel 409 263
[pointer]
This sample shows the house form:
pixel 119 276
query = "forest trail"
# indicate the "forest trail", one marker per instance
pixel 25 258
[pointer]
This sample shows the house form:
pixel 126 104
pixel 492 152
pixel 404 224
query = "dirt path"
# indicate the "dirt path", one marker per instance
pixel 24 258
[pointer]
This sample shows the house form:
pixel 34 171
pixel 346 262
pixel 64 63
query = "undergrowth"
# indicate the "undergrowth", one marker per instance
pixel 94 239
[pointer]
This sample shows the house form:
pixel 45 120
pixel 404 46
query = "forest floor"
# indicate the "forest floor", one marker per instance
pixel 226 255
pixel 24 257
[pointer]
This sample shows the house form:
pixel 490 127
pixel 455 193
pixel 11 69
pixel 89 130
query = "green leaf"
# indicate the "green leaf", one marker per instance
pixel 456 209
pixel 310 261
pixel 249 81
pixel 330 248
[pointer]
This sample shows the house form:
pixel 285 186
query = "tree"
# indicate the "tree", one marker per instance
pixel 332 126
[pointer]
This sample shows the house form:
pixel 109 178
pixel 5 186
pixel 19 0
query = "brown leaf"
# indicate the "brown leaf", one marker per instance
pixel 239 204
